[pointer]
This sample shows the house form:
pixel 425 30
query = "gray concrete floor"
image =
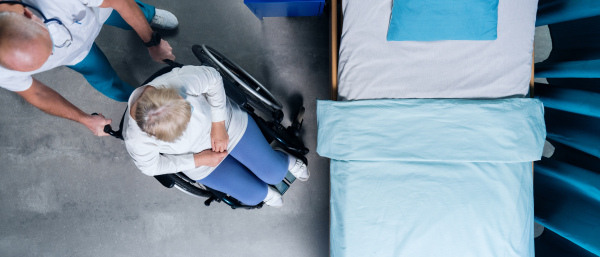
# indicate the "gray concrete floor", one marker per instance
pixel 65 192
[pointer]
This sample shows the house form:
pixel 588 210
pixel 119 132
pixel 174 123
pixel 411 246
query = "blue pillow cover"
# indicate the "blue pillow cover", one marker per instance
pixel 433 20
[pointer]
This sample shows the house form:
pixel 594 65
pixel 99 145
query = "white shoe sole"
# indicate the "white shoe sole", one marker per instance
pixel 273 198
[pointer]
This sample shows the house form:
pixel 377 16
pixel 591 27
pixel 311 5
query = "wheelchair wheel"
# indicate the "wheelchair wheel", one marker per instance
pixel 259 97
pixel 193 188
pixel 190 187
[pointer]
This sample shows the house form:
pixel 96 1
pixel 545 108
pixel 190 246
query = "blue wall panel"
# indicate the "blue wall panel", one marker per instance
pixel 282 8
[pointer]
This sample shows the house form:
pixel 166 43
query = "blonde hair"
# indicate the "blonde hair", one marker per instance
pixel 162 113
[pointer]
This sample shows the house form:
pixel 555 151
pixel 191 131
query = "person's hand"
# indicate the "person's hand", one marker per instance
pixel 96 124
pixel 219 137
pixel 161 52
pixel 209 158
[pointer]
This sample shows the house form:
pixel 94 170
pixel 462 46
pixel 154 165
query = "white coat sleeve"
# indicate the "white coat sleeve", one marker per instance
pixel 17 84
pixel 147 158
pixel 208 82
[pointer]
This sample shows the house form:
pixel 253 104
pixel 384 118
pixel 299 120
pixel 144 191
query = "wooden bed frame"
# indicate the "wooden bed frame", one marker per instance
pixel 335 28
pixel 334 36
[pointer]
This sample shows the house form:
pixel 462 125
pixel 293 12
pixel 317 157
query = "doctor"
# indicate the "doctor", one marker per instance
pixel 39 35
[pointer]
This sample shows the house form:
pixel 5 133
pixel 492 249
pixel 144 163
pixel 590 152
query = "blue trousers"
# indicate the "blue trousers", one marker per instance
pixel 96 69
pixel 249 167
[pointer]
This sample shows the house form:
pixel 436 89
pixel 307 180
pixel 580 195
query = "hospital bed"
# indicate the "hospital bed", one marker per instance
pixel 432 143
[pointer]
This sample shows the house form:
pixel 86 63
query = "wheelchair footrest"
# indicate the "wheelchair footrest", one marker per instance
pixel 289 178
pixel 284 185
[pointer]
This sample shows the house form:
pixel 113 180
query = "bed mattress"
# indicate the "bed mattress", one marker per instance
pixel 455 182
pixel 370 67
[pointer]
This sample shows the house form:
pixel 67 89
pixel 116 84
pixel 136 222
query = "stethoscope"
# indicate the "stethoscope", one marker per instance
pixel 47 22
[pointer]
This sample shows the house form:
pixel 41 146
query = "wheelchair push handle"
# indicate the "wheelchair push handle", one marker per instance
pixel 172 63
pixel 108 129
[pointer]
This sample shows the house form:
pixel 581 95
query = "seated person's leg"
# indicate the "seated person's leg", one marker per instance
pixel 254 152
pixel 233 178
pixel 269 165
pixel 100 74
pixel 157 18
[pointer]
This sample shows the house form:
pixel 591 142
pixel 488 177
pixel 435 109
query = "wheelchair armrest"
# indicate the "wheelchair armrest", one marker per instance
pixel 165 180
pixel 234 93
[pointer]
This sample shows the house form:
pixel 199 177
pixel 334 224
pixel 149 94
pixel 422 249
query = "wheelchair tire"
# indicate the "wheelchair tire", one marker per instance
pixel 189 188
pixel 258 96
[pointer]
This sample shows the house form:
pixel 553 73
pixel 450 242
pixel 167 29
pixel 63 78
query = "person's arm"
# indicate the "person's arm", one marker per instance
pixel 151 162
pixel 219 139
pixel 49 101
pixel 133 15
pixel 209 158
pixel 215 95
pixel 208 81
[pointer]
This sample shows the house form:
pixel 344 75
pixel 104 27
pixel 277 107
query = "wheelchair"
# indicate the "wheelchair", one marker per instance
pixel 258 102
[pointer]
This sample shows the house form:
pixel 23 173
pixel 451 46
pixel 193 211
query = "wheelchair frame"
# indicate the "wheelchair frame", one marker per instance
pixel 250 95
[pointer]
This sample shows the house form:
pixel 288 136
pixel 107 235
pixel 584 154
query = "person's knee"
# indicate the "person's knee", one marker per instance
pixel 255 196
pixel 277 170
pixel 272 178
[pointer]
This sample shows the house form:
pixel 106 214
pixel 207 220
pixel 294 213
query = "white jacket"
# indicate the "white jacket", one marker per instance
pixel 203 87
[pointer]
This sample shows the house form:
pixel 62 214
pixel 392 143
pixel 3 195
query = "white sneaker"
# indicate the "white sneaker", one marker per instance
pixel 274 198
pixel 299 170
pixel 296 166
pixel 164 20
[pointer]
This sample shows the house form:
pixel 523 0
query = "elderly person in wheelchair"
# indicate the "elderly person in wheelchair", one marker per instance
pixel 183 121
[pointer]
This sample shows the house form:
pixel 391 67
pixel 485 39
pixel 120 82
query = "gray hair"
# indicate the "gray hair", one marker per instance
pixel 162 113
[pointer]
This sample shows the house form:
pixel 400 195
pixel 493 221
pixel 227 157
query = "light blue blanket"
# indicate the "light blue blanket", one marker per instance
pixel 420 177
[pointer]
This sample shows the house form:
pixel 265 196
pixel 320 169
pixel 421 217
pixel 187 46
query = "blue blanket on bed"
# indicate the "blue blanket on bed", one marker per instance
pixel 420 177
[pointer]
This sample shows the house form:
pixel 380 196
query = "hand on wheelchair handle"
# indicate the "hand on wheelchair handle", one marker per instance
pixel 108 130
pixel 161 51
pixel 95 124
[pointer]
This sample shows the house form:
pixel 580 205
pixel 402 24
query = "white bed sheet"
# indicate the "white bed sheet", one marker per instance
pixel 371 67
